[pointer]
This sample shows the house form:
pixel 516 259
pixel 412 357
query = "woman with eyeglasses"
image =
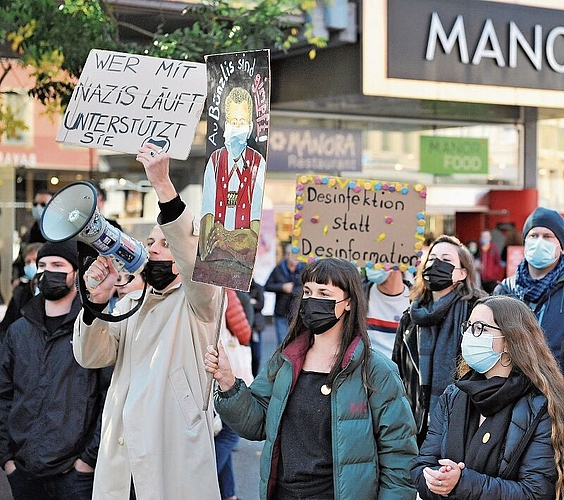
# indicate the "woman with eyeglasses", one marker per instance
pixel 331 410
pixel 428 337
pixel 498 432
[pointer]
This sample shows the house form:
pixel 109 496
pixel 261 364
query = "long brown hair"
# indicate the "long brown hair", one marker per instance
pixel 468 287
pixel 344 275
pixel 529 353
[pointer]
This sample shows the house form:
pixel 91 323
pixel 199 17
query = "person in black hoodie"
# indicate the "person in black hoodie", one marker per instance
pixel 50 407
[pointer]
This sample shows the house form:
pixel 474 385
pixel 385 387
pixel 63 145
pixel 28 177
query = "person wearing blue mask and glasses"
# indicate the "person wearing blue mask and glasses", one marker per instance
pixel 498 431
pixel 539 278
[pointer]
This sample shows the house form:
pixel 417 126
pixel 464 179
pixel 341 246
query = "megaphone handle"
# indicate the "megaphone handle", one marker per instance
pixel 93 283
pixel 207 394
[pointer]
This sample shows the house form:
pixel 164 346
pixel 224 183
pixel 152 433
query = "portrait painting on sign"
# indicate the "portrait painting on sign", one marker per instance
pixel 237 138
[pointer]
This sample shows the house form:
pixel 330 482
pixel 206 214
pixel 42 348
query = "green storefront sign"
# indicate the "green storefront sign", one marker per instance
pixel 453 155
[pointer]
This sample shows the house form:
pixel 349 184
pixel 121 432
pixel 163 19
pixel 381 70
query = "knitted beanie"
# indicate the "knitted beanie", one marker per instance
pixel 550 219
pixel 65 249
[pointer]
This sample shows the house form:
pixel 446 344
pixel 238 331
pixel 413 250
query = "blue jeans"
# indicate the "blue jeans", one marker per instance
pixel 281 326
pixel 73 484
pixel 225 442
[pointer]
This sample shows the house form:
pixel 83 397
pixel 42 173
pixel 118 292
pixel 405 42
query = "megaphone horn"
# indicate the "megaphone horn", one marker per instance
pixel 72 213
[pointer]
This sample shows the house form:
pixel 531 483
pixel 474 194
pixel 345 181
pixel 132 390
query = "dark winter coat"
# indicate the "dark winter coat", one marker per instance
pixel 280 275
pixel 535 472
pixel 50 407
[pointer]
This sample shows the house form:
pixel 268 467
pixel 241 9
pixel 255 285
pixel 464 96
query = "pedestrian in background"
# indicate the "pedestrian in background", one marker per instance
pixel 388 298
pixel 285 282
pixel 25 289
pixel 498 432
pixel 490 268
pixel 428 338
pixel 332 411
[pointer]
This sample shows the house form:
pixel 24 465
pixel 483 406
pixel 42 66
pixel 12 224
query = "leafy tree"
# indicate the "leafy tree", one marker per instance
pixel 54 37
pixel 224 26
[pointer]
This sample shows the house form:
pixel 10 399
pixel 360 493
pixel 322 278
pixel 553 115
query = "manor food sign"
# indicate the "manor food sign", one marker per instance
pixel 453 155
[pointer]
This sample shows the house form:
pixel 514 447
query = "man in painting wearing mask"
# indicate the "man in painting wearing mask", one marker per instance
pixel 234 180
pixel 157 441
pixel 50 406
pixel 539 278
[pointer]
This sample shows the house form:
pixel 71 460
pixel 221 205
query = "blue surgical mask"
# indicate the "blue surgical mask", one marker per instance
pixel 376 276
pixel 236 138
pixel 30 270
pixel 478 352
pixel 37 211
pixel 540 253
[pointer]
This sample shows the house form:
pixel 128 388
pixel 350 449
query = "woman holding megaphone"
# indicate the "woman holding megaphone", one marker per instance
pixel 153 418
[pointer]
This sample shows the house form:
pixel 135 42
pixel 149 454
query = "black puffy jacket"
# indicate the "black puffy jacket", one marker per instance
pixel 533 478
pixel 50 407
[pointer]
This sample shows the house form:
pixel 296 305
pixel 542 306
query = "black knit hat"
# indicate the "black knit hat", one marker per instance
pixel 544 217
pixel 65 249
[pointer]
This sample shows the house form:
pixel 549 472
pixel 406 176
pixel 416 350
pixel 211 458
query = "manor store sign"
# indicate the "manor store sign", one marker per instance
pixel 476 42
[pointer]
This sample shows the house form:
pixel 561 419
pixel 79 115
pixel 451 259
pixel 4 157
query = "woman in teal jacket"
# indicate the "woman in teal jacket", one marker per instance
pixel 331 410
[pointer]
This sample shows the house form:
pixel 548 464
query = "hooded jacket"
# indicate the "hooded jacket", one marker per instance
pixel 50 407
pixel 536 470
pixel 373 436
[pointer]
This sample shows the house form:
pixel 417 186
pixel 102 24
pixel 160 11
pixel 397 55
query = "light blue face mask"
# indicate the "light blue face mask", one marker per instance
pixel 478 352
pixel 37 211
pixel 236 138
pixel 30 270
pixel 376 276
pixel 540 253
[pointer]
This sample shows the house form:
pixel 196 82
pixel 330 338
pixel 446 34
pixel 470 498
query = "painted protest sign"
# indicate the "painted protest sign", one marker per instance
pixel 237 139
pixel 124 100
pixel 368 222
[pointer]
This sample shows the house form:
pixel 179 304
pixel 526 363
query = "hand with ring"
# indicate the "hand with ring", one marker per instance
pixel 443 480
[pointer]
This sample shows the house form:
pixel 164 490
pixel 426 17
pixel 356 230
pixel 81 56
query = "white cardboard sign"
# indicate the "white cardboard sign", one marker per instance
pixel 124 100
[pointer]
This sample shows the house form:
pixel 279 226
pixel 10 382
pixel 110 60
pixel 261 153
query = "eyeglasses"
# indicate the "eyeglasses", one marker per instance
pixel 477 328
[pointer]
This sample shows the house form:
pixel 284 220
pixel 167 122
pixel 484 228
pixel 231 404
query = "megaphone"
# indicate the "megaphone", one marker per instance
pixel 72 213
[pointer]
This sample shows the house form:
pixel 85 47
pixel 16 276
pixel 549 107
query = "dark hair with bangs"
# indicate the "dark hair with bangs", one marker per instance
pixel 344 275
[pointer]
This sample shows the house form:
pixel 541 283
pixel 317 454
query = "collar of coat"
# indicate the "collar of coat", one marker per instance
pixel 296 352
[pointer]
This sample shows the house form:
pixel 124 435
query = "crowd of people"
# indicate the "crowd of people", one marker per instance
pixel 383 385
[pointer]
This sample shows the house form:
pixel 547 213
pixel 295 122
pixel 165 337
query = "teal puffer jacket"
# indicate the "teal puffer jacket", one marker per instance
pixel 373 437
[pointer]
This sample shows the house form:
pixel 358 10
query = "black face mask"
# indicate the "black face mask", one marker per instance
pixel 53 285
pixel 158 273
pixel 318 315
pixel 438 275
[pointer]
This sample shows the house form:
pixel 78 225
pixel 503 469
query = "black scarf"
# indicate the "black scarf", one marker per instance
pixel 438 341
pixel 480 446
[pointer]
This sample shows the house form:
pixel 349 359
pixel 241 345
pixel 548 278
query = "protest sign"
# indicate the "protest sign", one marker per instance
pixel 238 127
pixel 368 222
pixel 122 101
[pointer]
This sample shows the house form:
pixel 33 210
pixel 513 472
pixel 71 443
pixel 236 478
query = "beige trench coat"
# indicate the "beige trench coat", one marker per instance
pixel 153 426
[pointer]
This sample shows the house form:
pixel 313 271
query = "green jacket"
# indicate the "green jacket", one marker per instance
pixel 363 468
